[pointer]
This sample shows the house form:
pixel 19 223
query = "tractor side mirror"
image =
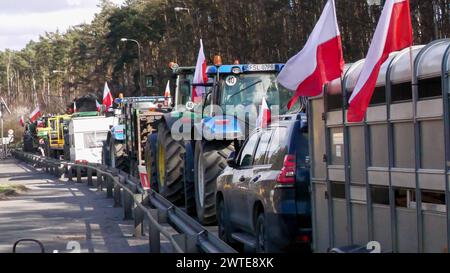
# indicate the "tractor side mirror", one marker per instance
pixel 231 160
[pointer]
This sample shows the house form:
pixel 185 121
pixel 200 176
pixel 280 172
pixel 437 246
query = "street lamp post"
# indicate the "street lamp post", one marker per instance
pixel 139 60
pixel 62 85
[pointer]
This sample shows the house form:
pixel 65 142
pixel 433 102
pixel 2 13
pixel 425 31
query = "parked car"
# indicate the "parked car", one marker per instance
pixel 263 196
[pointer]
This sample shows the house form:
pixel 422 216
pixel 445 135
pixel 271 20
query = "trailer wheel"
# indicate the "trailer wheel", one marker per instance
pixel 150 161
pixel 208 165
pixel 170 166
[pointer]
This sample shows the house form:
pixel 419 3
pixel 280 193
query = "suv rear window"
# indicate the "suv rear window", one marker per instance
pixel 278 148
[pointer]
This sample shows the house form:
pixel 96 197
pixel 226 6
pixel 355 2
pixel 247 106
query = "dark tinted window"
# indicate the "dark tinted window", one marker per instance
pixel 338 190
pixel 263 146
pixel 334 102
pixel 401 92
pixel 246 158
pixel 429 88
pixel 379 96
pixel 278 148
pixel 380 195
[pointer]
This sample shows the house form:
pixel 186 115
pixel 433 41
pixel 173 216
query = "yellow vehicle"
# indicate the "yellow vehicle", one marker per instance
pixel 56 127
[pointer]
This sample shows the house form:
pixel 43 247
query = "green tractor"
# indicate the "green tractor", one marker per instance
pixel 191 147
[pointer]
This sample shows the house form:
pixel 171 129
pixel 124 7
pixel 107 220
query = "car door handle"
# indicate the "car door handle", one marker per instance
pixel 242 179
pixel 256 178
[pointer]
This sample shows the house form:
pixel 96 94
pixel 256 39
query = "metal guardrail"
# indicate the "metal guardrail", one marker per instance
pixel 138 205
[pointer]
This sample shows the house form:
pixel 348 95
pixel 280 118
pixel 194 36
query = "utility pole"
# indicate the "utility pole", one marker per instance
pixel 141 73
pixel 3 107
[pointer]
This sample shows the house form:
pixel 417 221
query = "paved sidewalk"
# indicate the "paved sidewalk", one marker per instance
pixel 57 212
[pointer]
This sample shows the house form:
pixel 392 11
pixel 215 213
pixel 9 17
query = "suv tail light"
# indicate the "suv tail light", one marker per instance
pixel 287 174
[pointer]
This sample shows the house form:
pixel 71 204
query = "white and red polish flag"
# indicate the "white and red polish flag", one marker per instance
pixel 393 33
pixel 320 61
pixel 22 121
pixel 35 114
pixel 107 97
pixel 265 116
pixel 200 76
pixel 98 105
pixel 74 106
pixel 167 95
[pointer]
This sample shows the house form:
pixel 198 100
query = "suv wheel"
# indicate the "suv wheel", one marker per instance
pixel 261 242
pixel 222 222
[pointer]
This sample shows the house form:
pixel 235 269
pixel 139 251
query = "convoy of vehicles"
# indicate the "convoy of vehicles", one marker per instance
pixel 312 179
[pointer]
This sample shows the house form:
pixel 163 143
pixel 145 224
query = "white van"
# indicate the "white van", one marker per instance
pixel 86 136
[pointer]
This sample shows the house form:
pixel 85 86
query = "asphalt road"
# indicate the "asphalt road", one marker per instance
pixel 57 212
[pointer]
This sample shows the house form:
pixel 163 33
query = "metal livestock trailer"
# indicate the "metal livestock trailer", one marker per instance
pixel 385 179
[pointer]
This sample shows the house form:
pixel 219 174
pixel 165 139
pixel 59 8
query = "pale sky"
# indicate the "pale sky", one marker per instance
pixel 24 20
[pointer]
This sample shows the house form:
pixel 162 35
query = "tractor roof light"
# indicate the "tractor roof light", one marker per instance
pixel 217 60
pixel 173 65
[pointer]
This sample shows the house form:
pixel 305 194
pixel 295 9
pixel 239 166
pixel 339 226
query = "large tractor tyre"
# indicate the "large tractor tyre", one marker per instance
pixel 150 161
pixel 117 156
pixel 49 152
pixel 208 165
pixel 169 164
pixel 189 181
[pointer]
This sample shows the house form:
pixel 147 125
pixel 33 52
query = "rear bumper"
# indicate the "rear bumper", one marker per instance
pixel 284 232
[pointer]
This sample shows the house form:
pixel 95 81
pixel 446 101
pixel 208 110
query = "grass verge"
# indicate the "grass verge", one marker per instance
pixel 7 190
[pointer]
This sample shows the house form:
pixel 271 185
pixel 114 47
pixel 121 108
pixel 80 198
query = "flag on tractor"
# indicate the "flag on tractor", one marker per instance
pixel 265 116
pixel 319 62
pixel 393 33
pixel 167 95
pixel 98 105
pixel 22 121
pixel 107 97
pixel 35 114
pixel 200 76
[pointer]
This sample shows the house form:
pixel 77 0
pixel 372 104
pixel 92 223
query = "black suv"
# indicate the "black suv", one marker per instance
pixel 263 197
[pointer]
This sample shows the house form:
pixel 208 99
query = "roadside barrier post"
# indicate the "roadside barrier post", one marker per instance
pixel 118 193
pixel 154 236
pixel 69 173
pixel 127 206
pixel 109 187
pixel 79 175
pixel 89 177
pixel 138 222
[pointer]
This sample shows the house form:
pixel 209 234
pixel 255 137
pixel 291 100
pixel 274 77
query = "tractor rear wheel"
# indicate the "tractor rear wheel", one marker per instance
pixel 150 161
pixel 208 165
pixel 169 163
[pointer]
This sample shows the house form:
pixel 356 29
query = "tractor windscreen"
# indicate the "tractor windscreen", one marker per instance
pixel 249 90
pixel 184 92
